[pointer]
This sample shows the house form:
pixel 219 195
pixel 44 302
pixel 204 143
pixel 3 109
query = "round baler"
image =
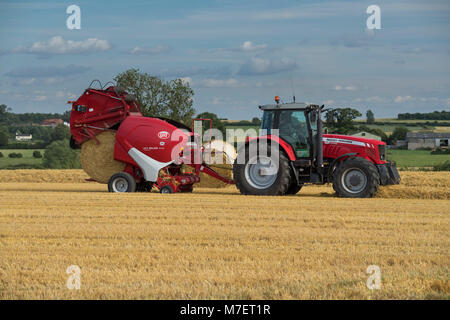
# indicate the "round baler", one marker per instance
pixel 131 152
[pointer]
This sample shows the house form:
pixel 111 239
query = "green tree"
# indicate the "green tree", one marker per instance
pixel 399 133
pixel 216 123
pixel 256 121
pixel 60 132
pixel 370 117
pixel 4 135
pixel 157 98
pixel 340 120
pixel 59 155
pixel 4 113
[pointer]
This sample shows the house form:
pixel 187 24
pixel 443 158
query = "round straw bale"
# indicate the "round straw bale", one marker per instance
pixel 97 160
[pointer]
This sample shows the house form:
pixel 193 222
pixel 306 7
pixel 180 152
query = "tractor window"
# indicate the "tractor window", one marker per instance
pixel 267 120
pixel 293 129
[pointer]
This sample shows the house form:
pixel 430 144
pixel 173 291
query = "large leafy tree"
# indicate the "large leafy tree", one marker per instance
pixel 158 98
pixel 4 135
pixel 59 155
pixel 340 120
pixel 60 132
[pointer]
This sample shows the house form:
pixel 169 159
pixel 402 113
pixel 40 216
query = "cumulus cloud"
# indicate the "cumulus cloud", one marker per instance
pixel 401 99
pixel 249 46
pixel 261 66
pixel 159 49
pixel 57 45
pixel 346 88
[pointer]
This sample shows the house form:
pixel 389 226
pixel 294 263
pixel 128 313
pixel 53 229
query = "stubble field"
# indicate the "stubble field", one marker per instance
pixel 216 243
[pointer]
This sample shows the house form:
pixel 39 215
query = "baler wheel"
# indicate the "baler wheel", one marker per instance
pixel 122 182
pixel 166 189
pixel 356 178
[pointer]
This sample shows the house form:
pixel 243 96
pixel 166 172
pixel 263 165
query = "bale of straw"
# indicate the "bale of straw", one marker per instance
pixel 219 156
pixel 97 159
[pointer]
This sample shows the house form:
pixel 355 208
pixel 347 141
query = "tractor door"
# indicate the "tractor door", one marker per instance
pixel 293 129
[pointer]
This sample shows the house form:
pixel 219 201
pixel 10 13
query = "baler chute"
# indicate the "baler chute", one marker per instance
pixel 146 151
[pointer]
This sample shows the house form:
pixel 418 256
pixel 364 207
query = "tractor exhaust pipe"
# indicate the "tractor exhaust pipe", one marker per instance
pixel 319 139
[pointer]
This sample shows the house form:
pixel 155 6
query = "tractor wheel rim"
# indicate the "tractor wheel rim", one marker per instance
pixel 253 172
pixel 354 180
pixel 120 185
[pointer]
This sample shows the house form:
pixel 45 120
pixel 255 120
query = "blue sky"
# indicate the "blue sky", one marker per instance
pixel 235 54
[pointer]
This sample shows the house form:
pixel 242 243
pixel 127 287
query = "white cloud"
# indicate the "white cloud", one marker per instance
pixel 57 45
pixel 258 66
pixel 401 99
pixel 159 49
pixel 249 46
pixel 327 102
pixel 218 83
pixel 346 88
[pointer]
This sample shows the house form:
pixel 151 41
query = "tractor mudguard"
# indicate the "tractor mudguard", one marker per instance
pixel 286 147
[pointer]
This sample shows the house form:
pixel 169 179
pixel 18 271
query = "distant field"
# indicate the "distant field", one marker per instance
pixel 27 157
pixel 416 158
pixel 403 121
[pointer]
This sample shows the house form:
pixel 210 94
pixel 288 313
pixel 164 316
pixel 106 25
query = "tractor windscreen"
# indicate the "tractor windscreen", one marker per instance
pixel 267 122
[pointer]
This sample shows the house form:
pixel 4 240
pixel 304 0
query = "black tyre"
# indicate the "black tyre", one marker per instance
pixel 259 175
pixel 294 188
pixel 122 182
pixel 166 189
pixel 356 178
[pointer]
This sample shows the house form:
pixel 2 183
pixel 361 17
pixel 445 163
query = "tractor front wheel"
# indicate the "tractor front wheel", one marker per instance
pixel 356 178
pixel 122 182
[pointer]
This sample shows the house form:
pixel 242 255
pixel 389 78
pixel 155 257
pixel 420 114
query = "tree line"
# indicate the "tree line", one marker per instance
pixel 435 115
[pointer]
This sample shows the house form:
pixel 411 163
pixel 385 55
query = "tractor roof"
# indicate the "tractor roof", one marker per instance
pixel 284 106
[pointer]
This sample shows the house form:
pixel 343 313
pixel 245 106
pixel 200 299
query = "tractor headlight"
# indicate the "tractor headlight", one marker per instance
pixel 382 151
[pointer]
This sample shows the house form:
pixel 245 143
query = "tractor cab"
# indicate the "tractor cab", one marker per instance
pixel 296 124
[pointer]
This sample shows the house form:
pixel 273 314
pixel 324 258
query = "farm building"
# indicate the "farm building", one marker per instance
pixel 23 137
pixel 52 122
pixel 368 135
pixel 418 140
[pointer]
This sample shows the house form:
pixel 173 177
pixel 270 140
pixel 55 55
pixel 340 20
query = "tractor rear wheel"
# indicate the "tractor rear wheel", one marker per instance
pixel 260 175
pixel 356 178
pixel 294 188
pixel 122 182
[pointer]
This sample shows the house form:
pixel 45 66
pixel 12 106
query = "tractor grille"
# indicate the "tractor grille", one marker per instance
pixel 382 151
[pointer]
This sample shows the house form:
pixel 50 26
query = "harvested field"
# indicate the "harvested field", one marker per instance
pixel 216 243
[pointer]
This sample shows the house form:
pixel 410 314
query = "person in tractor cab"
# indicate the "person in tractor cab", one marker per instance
pixel 293 130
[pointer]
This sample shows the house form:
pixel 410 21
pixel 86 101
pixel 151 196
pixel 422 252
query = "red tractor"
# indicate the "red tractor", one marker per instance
pixel 355 166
